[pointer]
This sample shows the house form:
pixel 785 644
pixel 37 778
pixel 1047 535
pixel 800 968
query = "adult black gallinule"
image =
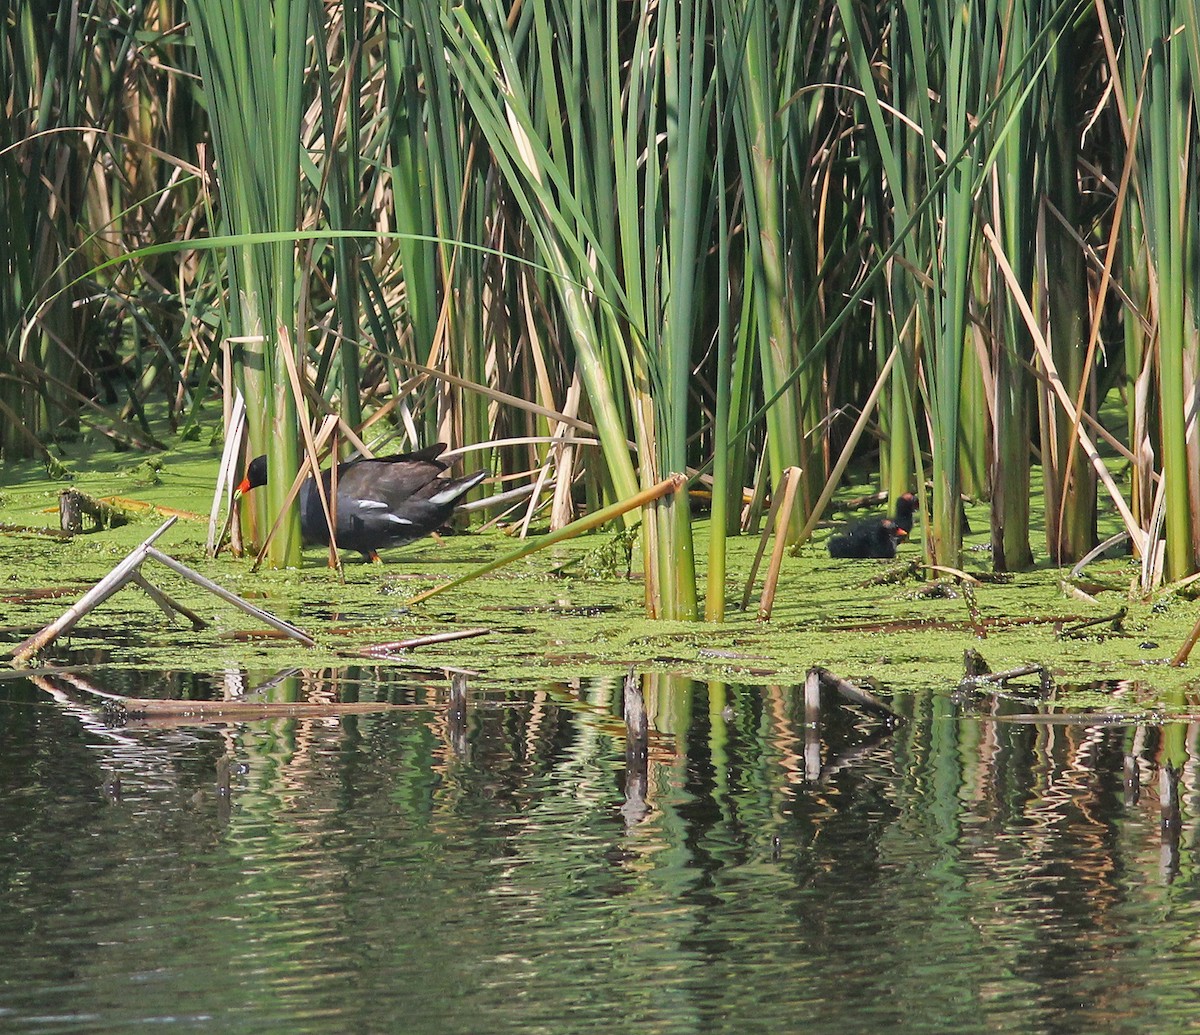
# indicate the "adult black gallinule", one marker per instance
pixel 388 501
pixel 874 538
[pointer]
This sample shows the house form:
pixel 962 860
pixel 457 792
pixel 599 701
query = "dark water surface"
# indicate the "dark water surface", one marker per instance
pixel 407 872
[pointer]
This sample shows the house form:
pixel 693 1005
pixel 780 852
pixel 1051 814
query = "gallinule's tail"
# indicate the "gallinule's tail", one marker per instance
pixel 874 538
pixel 383 502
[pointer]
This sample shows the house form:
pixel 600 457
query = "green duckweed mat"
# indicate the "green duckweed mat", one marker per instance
pixel 569 611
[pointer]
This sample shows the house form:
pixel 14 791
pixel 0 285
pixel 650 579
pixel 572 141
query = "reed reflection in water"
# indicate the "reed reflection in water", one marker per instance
pixel 478 859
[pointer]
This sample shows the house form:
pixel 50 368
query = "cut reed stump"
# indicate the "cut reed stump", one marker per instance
pixel 822 678
pixel 74 506
pixel 129 571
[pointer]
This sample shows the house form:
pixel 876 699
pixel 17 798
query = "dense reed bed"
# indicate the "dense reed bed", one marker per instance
pixel 600 244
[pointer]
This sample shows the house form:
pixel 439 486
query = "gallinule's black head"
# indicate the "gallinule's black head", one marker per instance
pixel 906 506
pixel 388 501
pixel 876 537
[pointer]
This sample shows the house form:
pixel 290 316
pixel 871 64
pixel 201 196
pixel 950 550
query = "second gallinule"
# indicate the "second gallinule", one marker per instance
pixel 382 502
pixel 874 538
pixel 877 536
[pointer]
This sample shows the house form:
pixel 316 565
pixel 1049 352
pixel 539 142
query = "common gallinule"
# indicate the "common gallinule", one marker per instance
pixel 382 502
pixel 876 537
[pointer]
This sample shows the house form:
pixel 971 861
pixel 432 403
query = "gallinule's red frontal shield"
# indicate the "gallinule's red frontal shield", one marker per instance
pixel 383 502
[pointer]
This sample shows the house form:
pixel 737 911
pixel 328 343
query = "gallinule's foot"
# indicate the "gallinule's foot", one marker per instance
pixel 388 501
pixel 876 537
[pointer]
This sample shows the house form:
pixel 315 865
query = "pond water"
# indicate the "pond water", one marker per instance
pixel 427 869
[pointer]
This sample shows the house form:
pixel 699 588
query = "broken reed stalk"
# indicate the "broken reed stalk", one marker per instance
pixel 235 422
pixel 126 572
pixel 167 604
pixel 100 592
pixel 584 524
pixel 853 694
pixel 1185 649
pixel 783 521
pixel 74 505
pixel 768 528
pixel 383 649
pixel 263 616
pixel 843 461
pixel 307 466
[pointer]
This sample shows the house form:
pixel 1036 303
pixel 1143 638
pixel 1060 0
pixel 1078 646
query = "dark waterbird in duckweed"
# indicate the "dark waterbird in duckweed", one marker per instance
pixel 876 536
pixel 383 502
pixel 906 507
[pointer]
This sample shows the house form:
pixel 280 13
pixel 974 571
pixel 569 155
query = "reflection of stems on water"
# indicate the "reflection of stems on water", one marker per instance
pixel 637 751
pixel 119 710
pixel 821 678
pixel 456 717
pixel 1170 822
pixel 853 694
pixel 851 756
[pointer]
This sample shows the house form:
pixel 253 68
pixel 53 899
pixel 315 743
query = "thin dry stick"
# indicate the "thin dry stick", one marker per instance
pixel 768 528
pixel 232 598
pixel 584 524
pixel 767 603
pixel 1181 655
pixel 100 592
pixel 1064 398
pixel 327 499
pixel 168 605
pixel 234 424
pixel 327 427
pixel 843 461
pixel 423 641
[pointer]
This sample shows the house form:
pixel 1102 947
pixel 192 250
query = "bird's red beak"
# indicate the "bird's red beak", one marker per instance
pixel 243 487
